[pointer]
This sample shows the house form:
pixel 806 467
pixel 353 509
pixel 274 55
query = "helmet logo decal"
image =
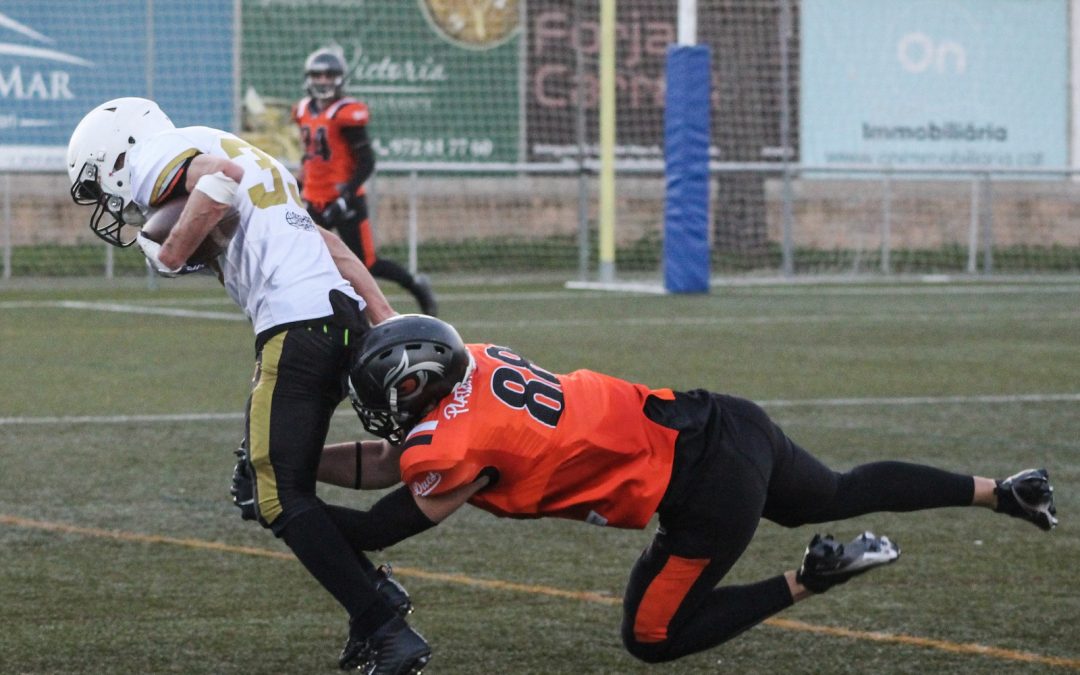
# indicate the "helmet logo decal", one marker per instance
pixel 406 381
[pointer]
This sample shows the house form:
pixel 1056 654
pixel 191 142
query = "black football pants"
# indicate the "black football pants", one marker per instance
pixel 298 384
pixel 734 466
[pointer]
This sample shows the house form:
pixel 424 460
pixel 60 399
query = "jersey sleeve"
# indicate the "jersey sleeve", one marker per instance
pixel 432 466
pixel 352 114
pixel 157 168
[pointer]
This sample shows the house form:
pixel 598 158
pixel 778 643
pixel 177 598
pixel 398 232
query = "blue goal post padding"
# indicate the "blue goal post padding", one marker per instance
pixel 686 160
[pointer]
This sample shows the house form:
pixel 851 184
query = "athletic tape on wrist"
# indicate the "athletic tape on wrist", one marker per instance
pixel 151 249
pixel 219 187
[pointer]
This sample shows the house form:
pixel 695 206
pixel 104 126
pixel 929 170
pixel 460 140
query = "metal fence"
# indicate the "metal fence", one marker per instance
pixel 768 218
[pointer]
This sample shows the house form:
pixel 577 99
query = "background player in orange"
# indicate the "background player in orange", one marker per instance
pixel 338 159
pixel 482 424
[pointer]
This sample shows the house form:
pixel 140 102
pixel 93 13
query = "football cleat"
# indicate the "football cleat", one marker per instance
pixel 1028 495
pixel 394 649
pixel 391 590
pixel 356 654
pixel 397 649
pixel 357 651
pixel 243 488
pixel 827 562
pixel 425 296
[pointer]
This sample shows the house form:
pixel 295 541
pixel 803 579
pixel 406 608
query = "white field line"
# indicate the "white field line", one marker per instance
pixel 146 309
pixel 775 403
pixel 122 419
pixel 921 400
pixel 720 319
pixel 727 291
pixel 750 290
pixel 936 289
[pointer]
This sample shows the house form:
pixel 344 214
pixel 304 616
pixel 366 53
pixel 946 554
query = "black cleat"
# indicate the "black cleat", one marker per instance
pixel 827 562
pixel 425 296
pixel 355 654
pixel 1030 496
pixel 394 649
pixel 397 649
pixel 391 590
pixel 243 487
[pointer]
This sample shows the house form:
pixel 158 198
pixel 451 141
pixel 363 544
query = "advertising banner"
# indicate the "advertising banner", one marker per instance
pixel 442 83
pixel 60 58
pixel 933 83
pixel 557 35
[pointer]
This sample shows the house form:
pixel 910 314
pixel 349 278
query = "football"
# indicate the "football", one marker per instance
pixel 159 223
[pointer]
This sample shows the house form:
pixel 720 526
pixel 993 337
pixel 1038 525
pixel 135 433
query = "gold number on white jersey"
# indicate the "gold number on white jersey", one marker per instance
pixel 260 196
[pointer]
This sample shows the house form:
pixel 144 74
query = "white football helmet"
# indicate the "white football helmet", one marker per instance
pixel 96 162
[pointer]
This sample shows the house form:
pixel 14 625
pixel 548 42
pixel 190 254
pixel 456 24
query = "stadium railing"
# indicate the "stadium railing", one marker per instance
pixel 767 220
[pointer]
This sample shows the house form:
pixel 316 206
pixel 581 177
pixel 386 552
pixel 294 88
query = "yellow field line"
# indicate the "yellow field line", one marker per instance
pixel 598 598
pixel 944 645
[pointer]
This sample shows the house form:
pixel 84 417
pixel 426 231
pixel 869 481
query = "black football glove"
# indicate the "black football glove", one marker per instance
pixel 243 486
pixel 338 212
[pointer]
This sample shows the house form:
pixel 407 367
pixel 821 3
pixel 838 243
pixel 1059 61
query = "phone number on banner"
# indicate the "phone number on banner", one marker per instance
pixel 434 148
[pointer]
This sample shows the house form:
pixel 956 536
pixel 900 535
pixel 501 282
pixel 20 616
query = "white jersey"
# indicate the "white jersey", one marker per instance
pixel 277 267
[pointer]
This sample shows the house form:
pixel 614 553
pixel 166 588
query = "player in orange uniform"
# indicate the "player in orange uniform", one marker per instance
pixel 338 159
pixel 481 424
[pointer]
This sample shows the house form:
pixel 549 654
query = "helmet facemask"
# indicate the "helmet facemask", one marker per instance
pixel 97 163
pixel 324 75
pixel 324 90
pixel 86 190
pixel 379 422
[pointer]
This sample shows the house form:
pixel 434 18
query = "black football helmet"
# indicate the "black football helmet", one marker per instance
pixel 325 62
pixel 406 365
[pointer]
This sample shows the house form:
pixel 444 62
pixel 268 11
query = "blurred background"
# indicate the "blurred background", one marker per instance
pixel 848 137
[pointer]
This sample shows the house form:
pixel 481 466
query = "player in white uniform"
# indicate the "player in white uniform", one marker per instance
pixel 276 267
pixel 303 291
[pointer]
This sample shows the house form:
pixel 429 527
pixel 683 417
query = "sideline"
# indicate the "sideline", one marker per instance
pixel 596 598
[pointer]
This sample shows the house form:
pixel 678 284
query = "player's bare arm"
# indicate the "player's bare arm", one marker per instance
pixel 438 507
pixel 373 465
pixel 378 308
pixel 364 465
pixel 211 182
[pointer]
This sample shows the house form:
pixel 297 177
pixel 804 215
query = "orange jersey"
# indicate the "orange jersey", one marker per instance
pixel 328 160
pixel 575 446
